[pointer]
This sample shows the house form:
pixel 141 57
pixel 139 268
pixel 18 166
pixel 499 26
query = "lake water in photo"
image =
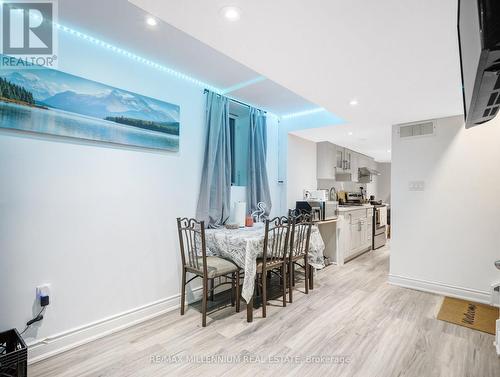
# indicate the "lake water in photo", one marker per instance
pixel 62 123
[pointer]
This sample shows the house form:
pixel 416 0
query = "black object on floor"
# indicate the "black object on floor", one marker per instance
pixel 13 355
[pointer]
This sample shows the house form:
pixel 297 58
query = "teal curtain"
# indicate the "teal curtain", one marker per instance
pixel 257 182
pixel 215 188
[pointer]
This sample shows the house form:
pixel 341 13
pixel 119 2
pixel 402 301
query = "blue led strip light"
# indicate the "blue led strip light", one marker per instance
pixel 138 58
pixel 173 72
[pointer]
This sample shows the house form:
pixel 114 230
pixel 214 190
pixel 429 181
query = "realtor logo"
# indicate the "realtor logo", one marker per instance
pixel 28 36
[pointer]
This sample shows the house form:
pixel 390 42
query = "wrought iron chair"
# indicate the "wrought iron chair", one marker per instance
pixel 299 248
pixel 277 232
pixel 195 260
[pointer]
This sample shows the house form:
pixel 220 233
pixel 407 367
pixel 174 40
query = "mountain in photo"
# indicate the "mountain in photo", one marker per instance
pixel 41 89
pixel 114 103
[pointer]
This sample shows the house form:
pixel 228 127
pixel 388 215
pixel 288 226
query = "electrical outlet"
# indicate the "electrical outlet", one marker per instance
pixel 416 186
pixel 42 291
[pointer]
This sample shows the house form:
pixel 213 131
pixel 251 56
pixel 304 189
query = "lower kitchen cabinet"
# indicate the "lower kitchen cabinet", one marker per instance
pixel 354 231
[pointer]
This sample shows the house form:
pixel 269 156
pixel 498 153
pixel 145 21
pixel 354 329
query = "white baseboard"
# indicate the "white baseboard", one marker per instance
pixel 483 297
pixel 41 349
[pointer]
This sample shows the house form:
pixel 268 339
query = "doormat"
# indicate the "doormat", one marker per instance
pixel 469 314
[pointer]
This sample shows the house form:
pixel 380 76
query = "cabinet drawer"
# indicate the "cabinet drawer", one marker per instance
pixel 355 216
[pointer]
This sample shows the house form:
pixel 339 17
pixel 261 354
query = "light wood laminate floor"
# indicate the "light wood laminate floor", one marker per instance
pixel 383 330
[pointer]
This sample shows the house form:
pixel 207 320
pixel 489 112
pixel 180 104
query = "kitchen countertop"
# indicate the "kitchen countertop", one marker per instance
pixel 353 208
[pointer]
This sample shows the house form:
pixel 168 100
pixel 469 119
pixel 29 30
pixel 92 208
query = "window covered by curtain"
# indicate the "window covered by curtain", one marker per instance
pixel 215 189
pixel 257 182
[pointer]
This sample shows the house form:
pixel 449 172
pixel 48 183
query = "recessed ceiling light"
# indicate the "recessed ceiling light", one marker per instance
pixel 350 133
pixel 151 21
pixel 388 151
pixel 353 102
pixel 231 13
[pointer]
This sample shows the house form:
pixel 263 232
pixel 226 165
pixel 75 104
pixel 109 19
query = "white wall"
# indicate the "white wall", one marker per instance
pixel 301 168
pixel 97 221
pixel 446 238
pixel 383 182
pixel 287 125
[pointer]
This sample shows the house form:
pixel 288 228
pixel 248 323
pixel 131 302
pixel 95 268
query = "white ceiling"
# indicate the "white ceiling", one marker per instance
pixel 398 58
pixel 121 23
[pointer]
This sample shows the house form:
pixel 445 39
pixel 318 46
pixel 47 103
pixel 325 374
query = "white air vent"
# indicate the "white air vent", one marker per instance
pixel 417 129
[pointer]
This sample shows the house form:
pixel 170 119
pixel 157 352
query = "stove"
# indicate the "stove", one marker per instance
pixel 379 225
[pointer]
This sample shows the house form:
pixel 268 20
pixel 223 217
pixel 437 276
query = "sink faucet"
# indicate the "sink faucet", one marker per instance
pixel 497 264
pixel 334 198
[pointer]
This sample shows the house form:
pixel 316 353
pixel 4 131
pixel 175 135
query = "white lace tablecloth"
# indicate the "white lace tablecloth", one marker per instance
pixel 243 246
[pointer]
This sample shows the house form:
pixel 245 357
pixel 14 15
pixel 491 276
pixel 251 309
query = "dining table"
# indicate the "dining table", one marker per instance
pixel 245 245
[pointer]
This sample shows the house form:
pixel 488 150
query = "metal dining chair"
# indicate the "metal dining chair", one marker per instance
pixel 299 248
pixel 277 232
pixel 195 261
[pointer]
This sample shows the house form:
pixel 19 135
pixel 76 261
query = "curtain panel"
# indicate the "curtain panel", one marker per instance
pixel 215 188
pixel 257 182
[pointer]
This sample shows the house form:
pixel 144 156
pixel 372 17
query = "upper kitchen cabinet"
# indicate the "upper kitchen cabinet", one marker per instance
pixel 355 165
pixel 338 163
pixel 344 159
pixel 326 160
pixel 333 162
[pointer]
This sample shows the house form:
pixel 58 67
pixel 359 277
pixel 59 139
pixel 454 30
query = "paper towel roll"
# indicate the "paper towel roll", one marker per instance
pixel 239 213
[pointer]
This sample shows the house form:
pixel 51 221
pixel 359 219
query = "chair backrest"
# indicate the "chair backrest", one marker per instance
pixel 300 234
pixel 276 239
pixel 192 243
pixel 294 212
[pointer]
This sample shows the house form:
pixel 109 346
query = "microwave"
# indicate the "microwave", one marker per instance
pixel 319 210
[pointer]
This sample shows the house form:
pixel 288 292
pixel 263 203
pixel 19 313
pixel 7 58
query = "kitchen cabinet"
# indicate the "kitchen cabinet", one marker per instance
pixel 354 232
pixel 339 158
pixel 326 154
pixel 355 157
pixel 343 161
pixel 355 238
pixel 346 155
pixel 333 159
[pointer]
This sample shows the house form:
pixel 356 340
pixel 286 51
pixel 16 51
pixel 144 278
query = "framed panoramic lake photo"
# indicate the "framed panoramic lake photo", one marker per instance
pixel 52 102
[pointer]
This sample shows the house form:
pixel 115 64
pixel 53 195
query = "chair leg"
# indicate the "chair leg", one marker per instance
pixel 183 290
pixel 204 302
pixel 293 274
pixel 290 284
pixel 283 274
pixel 237 278
pixel 264 293
pixel 311 277
pixel 306 270
pixel 233 288
pixel 250 309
